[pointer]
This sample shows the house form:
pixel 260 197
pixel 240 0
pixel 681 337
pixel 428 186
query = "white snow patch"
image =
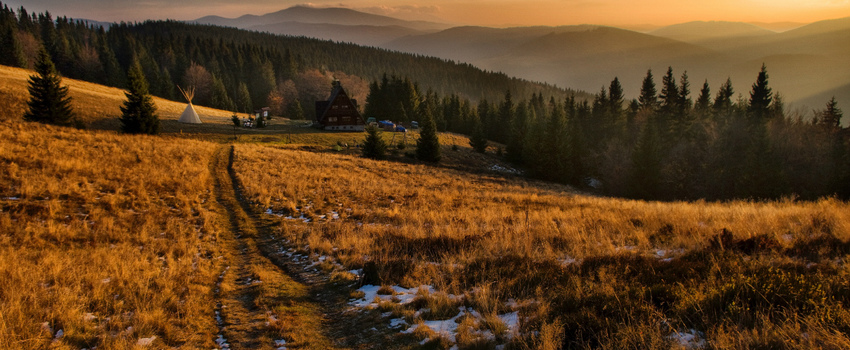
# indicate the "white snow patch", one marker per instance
pixel 567 260
pixel 406 295
pixel 501 169
pixel 692 339
pixel 222 343
pixel 11 198
pixel 397 322
pixel 146 341
pixel 446 328
pixel 511 321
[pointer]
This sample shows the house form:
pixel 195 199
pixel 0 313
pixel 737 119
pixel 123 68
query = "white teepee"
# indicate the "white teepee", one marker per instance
pixel 189 115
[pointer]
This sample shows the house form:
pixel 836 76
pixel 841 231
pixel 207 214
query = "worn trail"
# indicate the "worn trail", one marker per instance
pixel 259 304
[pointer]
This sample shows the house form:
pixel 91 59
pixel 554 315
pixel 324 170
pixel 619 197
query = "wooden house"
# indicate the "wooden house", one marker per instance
pixel 339 112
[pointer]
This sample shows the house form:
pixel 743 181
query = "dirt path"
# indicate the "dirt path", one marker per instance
pixel 259 305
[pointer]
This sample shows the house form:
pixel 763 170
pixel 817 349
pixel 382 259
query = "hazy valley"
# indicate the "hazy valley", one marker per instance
pixel 806 61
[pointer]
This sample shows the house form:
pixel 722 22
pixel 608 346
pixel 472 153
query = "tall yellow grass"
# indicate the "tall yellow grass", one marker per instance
pixel 586 265
pixel 514 214
pixel 108 238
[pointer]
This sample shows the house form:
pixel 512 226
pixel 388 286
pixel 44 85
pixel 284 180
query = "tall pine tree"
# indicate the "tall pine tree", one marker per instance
pixel 138 114
pixel 49 101
pixel 374 146
pixel 478 139
pixel 428 145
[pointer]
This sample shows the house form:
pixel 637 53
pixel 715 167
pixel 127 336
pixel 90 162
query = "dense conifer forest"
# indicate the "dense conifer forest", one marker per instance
pixel 664 145
pixel 233 69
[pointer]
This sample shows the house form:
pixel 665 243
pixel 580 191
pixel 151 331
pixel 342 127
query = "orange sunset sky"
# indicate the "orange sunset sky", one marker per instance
pixel 470 12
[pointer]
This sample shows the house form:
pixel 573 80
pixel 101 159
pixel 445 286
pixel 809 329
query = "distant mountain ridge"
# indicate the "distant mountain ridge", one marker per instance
pixel 803 62
pixel 699 31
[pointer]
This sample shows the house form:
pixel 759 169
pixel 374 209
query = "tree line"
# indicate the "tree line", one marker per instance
pixel 233 69
pixel 663 145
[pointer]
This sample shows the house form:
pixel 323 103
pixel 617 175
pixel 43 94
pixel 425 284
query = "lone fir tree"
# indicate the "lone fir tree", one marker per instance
pixel 428 145
pixel 374 147
pixel 138 114
pixel 478 140
pixel 49 101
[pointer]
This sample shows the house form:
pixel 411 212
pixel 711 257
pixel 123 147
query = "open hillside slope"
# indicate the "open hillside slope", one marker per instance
pixel 467 259
pixel 98 106
pixel 105 240
pixel 121 241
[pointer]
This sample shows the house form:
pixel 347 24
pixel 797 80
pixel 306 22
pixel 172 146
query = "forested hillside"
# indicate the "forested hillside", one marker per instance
pixel 667 144
pixel 234 69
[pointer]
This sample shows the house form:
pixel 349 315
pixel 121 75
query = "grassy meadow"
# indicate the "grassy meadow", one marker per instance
pixel 592 272
pixel 119 241
pixel 105 240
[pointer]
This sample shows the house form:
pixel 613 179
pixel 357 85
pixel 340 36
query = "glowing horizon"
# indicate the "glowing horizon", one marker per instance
pixel 494 13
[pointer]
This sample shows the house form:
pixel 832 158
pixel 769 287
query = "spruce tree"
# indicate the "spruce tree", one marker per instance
pixel 11 52
pixel 374 146
pixel 49 101
pixel 519 129
pixel 138 114
pixel 760 98
pixel 723 101
pixel 243 99
pixel 648 99
pixel 701 107
pixel 478 139
pixel 295 111
pixel 646 165
pixel 428 145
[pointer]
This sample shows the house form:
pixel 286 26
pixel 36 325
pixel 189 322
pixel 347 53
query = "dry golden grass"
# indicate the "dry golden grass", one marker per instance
pixel 575 256
pixel 93 103
pixel 107 238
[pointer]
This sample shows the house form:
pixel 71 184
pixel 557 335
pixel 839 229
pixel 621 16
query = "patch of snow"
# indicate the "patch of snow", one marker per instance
pixel 106 280
pixel 594 183
pixel 11 198
pixel 501 169
pixel 567 260
pixel 222 343
pixel 511 321
pixel 446 328
pixel 405 295
pixel 146 341
pixel 59 334
pixel 692 339
pixel 397 322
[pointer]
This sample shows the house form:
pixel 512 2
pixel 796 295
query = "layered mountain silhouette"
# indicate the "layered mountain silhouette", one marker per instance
pixel 337 24
pixel 807 64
